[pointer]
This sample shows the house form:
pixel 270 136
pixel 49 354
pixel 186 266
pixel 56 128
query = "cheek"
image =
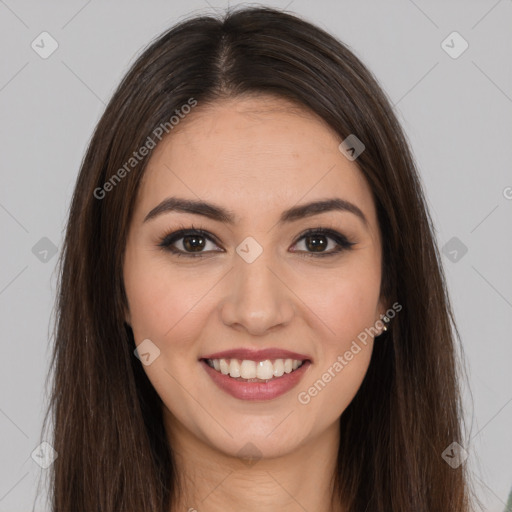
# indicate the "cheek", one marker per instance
pixel 344 349
pixel 353 311
pixel 159 302
pixel 346 307
pixel 346 303
pixel 163 308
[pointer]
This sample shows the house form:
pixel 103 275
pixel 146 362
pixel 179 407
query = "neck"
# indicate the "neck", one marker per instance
pixel 212 481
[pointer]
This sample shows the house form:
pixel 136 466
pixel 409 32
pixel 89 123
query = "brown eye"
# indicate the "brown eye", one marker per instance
pixel 193 243
pixel 316 242
pixel 187 242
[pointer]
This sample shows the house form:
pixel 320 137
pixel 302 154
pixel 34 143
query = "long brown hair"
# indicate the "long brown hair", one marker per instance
pixel 113 454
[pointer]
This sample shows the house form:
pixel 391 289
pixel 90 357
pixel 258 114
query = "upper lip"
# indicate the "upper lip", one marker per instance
pixel 257 355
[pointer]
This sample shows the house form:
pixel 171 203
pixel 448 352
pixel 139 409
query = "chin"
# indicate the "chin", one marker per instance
pixel 255 437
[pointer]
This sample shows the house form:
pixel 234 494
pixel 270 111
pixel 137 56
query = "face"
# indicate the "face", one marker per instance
pixel 251 280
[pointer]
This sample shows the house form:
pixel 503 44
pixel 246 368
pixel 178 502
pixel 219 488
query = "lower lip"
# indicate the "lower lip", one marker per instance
pixel 257 390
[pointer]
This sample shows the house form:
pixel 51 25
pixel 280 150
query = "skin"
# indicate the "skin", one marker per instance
pixel 255 156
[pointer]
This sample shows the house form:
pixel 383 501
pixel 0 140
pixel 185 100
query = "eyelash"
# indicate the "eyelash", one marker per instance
pixel 170 238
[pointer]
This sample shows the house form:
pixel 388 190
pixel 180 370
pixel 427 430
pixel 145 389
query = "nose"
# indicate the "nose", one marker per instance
pixel 258 299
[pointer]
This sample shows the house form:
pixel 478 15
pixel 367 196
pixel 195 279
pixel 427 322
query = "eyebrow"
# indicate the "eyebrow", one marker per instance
pixel 220 214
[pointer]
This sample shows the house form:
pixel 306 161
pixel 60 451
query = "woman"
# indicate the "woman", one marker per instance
pixel 252 311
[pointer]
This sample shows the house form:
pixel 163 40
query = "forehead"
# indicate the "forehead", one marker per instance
pixel 252 155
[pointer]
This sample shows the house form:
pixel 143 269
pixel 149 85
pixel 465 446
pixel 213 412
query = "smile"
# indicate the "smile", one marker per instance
pixel 254 371
pixel 247 379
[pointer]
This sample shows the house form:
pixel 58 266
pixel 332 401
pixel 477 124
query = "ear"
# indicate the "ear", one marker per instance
pixel 382 307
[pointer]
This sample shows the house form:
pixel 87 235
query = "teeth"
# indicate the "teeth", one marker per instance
pixel 234 369
pixel 224 367
pixel 278 368
pixel 264 370
pixel 247 369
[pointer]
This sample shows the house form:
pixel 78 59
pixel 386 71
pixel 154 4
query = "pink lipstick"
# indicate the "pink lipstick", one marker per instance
pixel 256 375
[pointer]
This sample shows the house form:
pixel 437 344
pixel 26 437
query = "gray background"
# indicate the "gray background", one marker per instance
pixel 455 111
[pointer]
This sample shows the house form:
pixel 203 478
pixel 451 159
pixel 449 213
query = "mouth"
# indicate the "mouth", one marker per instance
pixel 256 380
pixel 248 370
